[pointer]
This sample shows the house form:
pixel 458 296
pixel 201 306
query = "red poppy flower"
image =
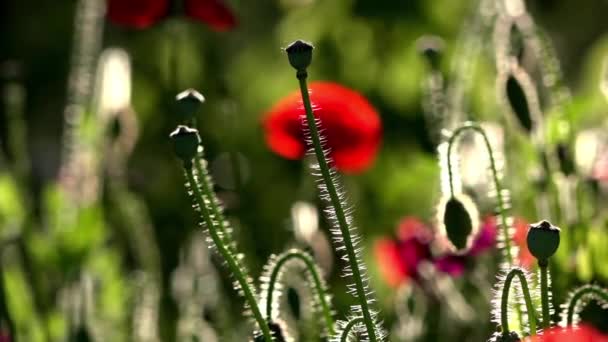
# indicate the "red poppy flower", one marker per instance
pixel 582 333
pixel 350 124
pixel 144 13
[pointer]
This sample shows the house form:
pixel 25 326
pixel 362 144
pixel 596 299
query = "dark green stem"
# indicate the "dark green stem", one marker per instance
pixel 336 203
pixel 224 251
pixel 580 293
pixel 317 285
pixel 349 327
pixel 544 292
pixel 504 301
pixel 502 212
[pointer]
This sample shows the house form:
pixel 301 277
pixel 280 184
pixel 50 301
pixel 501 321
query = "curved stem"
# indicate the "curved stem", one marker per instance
pixel 499 189
pixel 544 292
pixel 349 327
pixel 579 294
pixel 504 302
pixel 339 211
pixel 317 284
pixel 226 253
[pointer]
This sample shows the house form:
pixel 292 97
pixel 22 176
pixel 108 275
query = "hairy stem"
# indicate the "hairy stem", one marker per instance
pixel 544 292
pixel 349 327
pixel 502 212
pixel 504 319
pixel 317 285
pixel 579 294
pixel 339 210
pixel 199 195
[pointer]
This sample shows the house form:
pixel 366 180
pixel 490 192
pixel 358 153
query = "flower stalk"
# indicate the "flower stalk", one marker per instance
pixel 316 282
pixel 502 211
pixel 187 143
pixel 300 56
pixel 504 301
pixel 579 297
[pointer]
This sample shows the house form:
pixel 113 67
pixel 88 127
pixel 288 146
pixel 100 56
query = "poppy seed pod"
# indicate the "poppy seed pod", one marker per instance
pixel 543 240
pixel 188 103
pixel 299 54
pixel 185 143
pixel 460 222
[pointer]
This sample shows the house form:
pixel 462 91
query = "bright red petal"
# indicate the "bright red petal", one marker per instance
pixel 137 13
pixel 350 124
pixel 212 12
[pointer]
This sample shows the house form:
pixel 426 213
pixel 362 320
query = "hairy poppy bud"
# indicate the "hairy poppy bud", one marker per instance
pixel 185 143
pixel 299 54
pixel 188 103
pixel 543 240
pixel 460 222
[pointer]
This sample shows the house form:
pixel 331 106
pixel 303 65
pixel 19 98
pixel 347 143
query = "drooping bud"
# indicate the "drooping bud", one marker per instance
pixel 299 54
pixel 188 103
pixel 543 240
pixel 519 102
pixel 185 143
pixel 431 47
pixel 460 222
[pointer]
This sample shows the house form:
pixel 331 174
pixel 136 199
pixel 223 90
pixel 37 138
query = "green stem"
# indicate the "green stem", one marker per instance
pixel 349 327
pixel 213 203
pixel 336 203
pixel 502 212
pixel 224 251
pixel 580 293
pixel 544 292
pixel 317 284
pixel 504 302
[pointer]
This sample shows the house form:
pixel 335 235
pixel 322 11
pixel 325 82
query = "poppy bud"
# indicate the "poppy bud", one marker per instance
pixel 299 54
pixel 460 222
pixel 185 143
pixel 518 100
pixel 188 103
pixel 431 47
pixel 543 240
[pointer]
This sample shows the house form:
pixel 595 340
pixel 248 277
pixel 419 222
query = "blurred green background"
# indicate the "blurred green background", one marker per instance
pixel 369 46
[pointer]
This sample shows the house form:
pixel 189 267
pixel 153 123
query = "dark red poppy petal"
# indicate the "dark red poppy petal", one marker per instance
pixel 137 13
pixel 349 123
pixel 212 12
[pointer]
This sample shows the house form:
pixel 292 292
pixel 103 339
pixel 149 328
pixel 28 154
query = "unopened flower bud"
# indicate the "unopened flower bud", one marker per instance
pixel 299 54
pixel 460 222
pixel 543 240
pixel 185 143
pixel 188 103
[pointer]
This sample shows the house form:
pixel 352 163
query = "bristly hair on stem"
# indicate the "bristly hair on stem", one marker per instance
pixel 503 304
pixel 451 185
pixel 205 204
pixel 272 285
pixel 343 231
pixel 578 299
pixel 347 330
